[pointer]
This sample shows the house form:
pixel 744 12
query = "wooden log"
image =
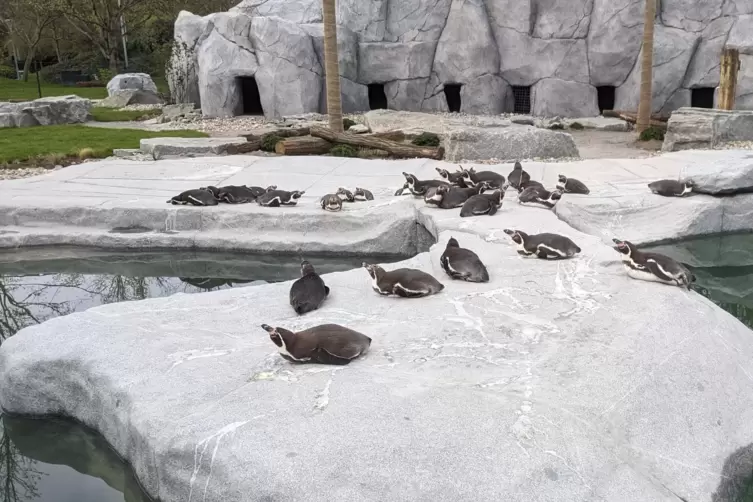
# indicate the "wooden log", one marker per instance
pixel 728 79
pixel 617 114
pixel 632 119
pixel 303 145
pixel 391 135
pixel 251 145
pixel 396 149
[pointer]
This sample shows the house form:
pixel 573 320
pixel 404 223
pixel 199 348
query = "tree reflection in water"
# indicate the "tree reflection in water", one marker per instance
pixel 18 473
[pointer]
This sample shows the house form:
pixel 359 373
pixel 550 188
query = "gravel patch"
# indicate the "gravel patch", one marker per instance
pixel 736 145
pixel 24 172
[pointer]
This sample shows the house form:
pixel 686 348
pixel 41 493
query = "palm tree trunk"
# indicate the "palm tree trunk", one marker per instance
pixel 332 66
pixel 647 66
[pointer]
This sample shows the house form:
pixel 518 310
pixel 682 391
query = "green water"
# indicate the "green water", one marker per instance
pixel 50 460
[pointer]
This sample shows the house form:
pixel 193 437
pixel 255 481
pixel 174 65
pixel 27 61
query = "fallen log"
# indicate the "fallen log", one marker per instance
pixel 393 147
pixel 391 135
pixel 249 146
pixel 303 145
pixel 631 119
pixel 618 114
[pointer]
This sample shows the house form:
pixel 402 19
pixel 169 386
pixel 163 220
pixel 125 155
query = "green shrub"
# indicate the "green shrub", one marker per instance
pixel 7 72
pixel 347 124
pixel 426 139
pixel 652 132
pixel 343 151
pixel 556 127
pixel 577 126
pixel 268 142
pixel 105 74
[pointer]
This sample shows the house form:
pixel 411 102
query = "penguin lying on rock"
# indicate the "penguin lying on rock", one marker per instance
pixel 455 178
pixel 308 292
pixel 463 264
pixel 277 198
pixel 403 282
pixel 418 187
pixel 324 344
pixel 473 178
pixel 363 194
pixel 196 197
pixel 671 188
pixel 535 196
pixel 345 194
pixel 571 185
pixel 331 202
pixel 482 204
pixel 233 194
pixel 449 197
pixel 544 246
pixel 653 267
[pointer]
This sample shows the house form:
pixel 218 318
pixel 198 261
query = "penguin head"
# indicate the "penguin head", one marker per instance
pixel 271 188
pixel 375 271
pixel 689 185
pixel 295 194
pixel 556 195
pixel 444 173
pixel 624 247
pixel 279 336
pixel 465 173
pixel 442 189
pixel 483 187
pixel 348 195
pixel 562 178
pixel 453 243
pixel 518 166
pixel 213 190
pixel 307 268
pixel 514 235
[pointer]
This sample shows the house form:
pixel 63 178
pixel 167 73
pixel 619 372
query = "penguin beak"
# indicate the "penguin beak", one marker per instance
pixel 269 329
pixel 509 232
pixel 617 241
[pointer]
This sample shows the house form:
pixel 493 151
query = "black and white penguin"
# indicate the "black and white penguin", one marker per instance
pixel 571 185
pixel 455 178
pixel 345 194
pixel 518 176
pixel 449 197
pixel 323 344
pixel 277 198
pixel 331 202
pixel 482 204
pixel 259 191
pixel 463 264
pixel 671 188
pixel 418 187
pixel 535 196
pixel 473 178
pixel 363 194
pixel 196 197
pixel 236 194
pixel 401 190
pixel 653 267
pixel 403 282
pixel 529 184
pixel 308 292
pixel 544 246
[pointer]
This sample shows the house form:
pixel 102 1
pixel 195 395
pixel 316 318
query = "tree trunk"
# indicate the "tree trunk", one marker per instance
pixel 647 64
pixel 27 64
pixel 332 66
pixel 396 149
pixel 113 62
pixel 303 145
pixel 728 79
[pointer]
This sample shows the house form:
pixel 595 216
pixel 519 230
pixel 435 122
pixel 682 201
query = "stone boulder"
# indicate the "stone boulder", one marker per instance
pixel 45 111
pixel 160 148
pixel 692 128
pixel 171 113
pixel 507 144
pixel 121 99
pixel 721 177
pixel 552 97
pixel 131 82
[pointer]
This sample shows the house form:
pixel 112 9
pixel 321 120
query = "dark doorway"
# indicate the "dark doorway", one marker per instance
pixel 452 95
pixel 522 98
pixel 605 95
pixel 702 97
pixel 377 97
pixel 250 96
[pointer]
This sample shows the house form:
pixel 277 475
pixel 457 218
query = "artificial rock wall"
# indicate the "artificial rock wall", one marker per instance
pixel 562 50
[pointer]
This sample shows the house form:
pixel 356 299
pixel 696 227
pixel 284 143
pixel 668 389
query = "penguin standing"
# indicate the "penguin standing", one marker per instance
pixel 308 292
pixel 196 197
pixel 671 188
pixel 363 194
pixel 418 187
pixel 473 178
pixel 463 264
pixel 544 246
pixel 331 202
pixel 403 282
pixel 277 198
pixel 653 267
pixel 571 185
pixel 482 204
pixel 535 196
pixel 323 344
pixel 345 194
pixel 518 176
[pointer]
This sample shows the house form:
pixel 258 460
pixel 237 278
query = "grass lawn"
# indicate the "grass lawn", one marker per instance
pixel 102 114
pixel 50 145
pixel 18 89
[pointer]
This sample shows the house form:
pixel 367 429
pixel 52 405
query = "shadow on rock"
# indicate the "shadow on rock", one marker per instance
pixel 736 484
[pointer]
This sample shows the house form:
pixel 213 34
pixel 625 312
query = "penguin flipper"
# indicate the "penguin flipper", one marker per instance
pixel 493 210
pixel 326 290
pixel 401 290
pixel 657 270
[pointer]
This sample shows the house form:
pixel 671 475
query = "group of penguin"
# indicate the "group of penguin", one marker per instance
pixel 338 345
pixel 237 194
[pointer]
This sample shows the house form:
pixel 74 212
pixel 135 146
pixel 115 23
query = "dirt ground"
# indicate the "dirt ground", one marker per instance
pixel 594 144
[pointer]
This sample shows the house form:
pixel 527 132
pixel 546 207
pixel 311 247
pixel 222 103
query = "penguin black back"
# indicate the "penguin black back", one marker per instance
pixel 518 176
pixel 196 197
pixel 463 264
pixel 308 292
pixel 571 185
pixel 323 344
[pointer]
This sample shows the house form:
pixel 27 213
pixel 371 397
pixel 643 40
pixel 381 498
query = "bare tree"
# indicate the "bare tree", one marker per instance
pixel 27 22
pixel 332 66
pixel 647 67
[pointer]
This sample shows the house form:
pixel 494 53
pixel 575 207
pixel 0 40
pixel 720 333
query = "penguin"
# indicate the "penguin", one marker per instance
pixel 449 197
pixel 653 267
pixel 571 185
pixel 403 282
pixel 455 178
pixel 472 178
pixel 216 192
pixel 482 204
pixel 236 194
pixel 539 197
pixel 418 187
pixel 463 264
pixel 529 184
pixel 363 194
pixel 401 190
pixel 308 292
pixel 544 246
pixel 259 191
pixel 518 176
pixel 346 195
pixel 323 344
pixel 277 198
pixel 671 188
pixel 331 202
pixel 196 197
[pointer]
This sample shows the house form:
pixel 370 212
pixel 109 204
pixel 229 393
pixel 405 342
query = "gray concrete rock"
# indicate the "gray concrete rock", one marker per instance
pixel 741 35
pixel 387 62
pixel 690 128
pixel 600 123
pixel 182 77
pixel 507 144
pixel 294 11
pixel 736 8
pixel 45 111
pixel 703 70
pixel 131 81
pixel 172 112
pixel 673 49
pixel 551 97
pixel 347 49
pixel 690 15
pixel 416 21
pixel 187 147
pixel 410 95
pixel 486 95
pixel 368 19
pixel 744 94
pixel 416 123
pixel 120 99
pixel 355 97
pixel 555 19
pixel 679 99
pixel 526 60
pixel 721 178
pixel 614 40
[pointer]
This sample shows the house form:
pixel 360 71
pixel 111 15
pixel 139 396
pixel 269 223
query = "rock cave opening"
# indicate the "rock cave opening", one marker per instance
pixel 377 97
pixel 452 95
pixel 702 97
pixel 250 97
pixel 522 99
pixel 605 96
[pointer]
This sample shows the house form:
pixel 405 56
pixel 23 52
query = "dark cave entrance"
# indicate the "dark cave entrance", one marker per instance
pixel 605 95
pixel 250 97
pixel 377 97
pixel 522 99
pixel 702 97
pixel 452 95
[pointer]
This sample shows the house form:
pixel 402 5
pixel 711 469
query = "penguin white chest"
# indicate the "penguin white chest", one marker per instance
pixel 284 352
pixel 644 275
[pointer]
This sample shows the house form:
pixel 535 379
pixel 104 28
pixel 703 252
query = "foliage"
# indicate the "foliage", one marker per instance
pixel 93 83
pixel 348 123
pixel 577 126
pixel 7 72
pixel 426 139
pixel 556 127
pixel 18 89
pixel 36 142
pixel 652 133
pixel 268 142
pixel 180 71
pixel 102 114
pixel 105 75
pixel 343 151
